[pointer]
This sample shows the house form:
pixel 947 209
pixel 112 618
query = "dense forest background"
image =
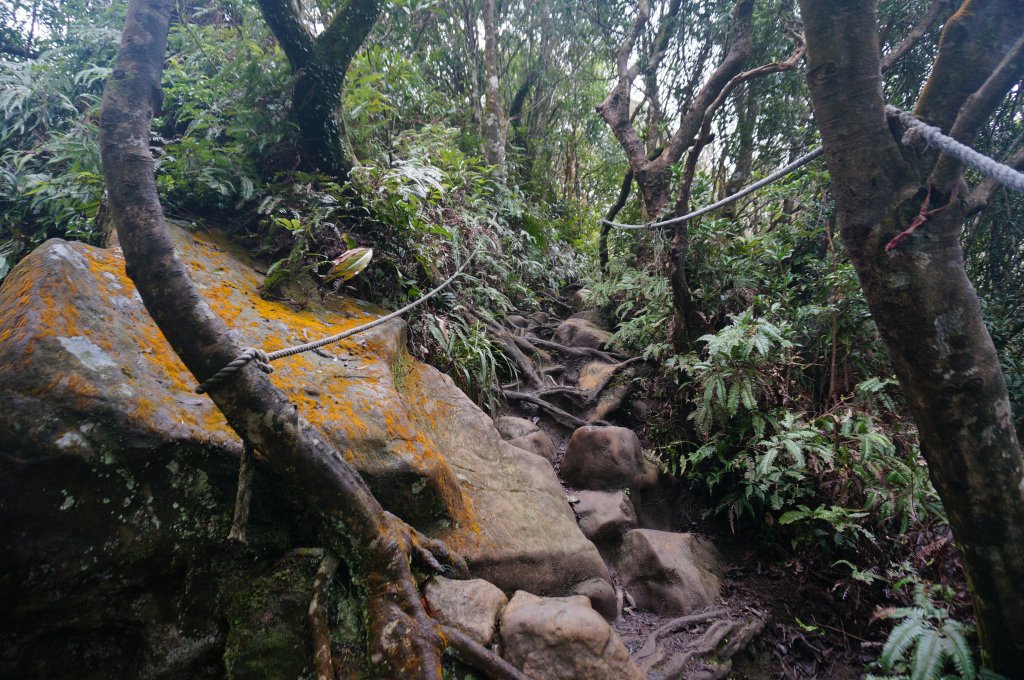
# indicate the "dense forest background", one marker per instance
pixel 473 125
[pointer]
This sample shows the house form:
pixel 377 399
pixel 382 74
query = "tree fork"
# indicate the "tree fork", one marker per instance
pixel 926 311
pixel 403 638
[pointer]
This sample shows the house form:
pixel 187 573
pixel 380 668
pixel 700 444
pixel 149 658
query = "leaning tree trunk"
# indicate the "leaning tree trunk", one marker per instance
pixel 320 64
pixel 403 638
pixel 925 308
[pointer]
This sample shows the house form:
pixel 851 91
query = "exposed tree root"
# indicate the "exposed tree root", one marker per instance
pixel 612 374
pixel 479 657
pixel 404 641
pixel 509 344
pixel 243 496
pixel 676 625
pixel 318 625
pixel 562 417
pixel 724 638
pixel 610 357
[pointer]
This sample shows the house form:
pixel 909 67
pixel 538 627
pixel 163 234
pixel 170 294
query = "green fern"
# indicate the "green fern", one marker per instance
pixel 935 642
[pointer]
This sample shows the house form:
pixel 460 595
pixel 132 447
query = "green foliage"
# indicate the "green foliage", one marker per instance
pixel 50 176
pixel 641 300
pixel 470 357
pixel 927 643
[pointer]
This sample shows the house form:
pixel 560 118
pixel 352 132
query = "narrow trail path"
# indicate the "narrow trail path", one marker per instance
pixel 573 393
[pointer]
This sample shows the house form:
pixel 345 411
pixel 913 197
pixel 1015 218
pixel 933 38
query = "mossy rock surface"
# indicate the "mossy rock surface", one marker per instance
pixel 117 480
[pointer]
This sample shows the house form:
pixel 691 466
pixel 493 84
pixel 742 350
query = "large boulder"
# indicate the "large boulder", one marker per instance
pixel 604 515
pixel 562 638
pixel 472 606
pixel 576 332
pixel 604 457
pixel 117 480
pixel 669 573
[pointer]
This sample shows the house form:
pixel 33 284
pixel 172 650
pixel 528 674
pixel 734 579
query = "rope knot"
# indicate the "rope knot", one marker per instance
pixel 248 354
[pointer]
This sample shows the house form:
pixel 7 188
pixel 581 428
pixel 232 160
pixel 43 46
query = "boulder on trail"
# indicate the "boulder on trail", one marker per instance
pixel 526 435
pixel 601 595
pixel 511 427
pixel 117 480
pixel 604 457
pixel 576 332
pixel 593 316
pixel 562 638
pixel 604 515
pixel 471 606
pixel 580 299
pixel 668 573
pixel 538 443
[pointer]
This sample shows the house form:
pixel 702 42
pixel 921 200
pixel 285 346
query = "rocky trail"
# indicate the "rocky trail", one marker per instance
pixel 665 601
pixel 118 481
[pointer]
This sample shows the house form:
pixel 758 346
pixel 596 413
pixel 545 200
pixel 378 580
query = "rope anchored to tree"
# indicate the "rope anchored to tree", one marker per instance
pixel 745 191
pixel 1004 174
pixel 263 358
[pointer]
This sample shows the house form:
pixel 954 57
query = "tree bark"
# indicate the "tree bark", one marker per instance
pixel 404 640
pixel 320 64
pixel 495 128
pixel 927 313
pixel 602 241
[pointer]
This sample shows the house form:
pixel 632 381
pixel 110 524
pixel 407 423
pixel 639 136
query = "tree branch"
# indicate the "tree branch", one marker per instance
pixel 732 62
pixel 935 10
pixel 974 41
pixel 978 108
pixel 987 188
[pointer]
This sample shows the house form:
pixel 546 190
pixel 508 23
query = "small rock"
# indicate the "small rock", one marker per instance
pixel 541 318
pixel 563 638
pixel 471 606
pixel 605 515
pixel 594 374
pixel 601 595
pixel 510 427
pixel 581 333
pixel 538 443
pixel 669 573
pixel 603 458
pixel 593 316
pixel 580 299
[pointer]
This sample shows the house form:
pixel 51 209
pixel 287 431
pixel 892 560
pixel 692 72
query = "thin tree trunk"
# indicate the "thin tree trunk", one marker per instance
pixel 613 211
pixel 402 636
pixel 925 308
pixel 494 116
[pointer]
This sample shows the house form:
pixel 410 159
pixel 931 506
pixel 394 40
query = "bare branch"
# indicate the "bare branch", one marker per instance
pixel 935 10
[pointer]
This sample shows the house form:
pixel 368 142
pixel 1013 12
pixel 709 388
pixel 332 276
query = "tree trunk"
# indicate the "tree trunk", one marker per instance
pixel 403 638
pixel 320 64
pixel 494 116
pixel 925 308
pixel 613 211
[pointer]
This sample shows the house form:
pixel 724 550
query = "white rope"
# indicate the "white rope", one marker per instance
pixel 1003 174
pixel 263 359
pixel 749 189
